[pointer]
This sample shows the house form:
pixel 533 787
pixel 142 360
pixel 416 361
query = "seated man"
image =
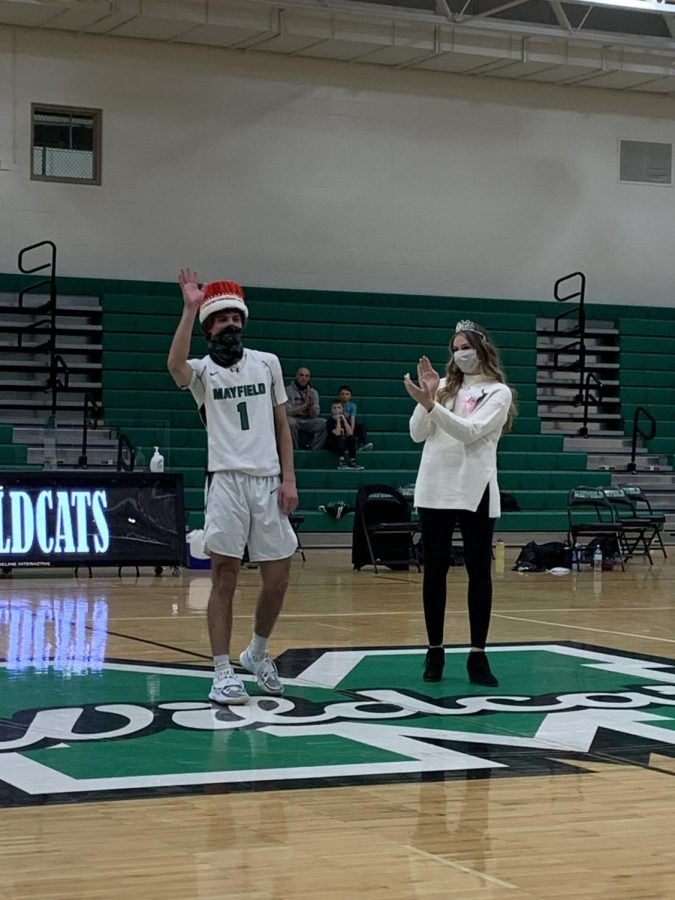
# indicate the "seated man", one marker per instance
pixel 302 410
pixel 349 412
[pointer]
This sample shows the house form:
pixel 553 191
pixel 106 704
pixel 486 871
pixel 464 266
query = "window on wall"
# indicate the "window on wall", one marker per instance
pixel 645 162
pixel 66 144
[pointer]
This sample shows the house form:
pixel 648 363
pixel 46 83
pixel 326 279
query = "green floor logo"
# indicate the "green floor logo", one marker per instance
pixel 347 716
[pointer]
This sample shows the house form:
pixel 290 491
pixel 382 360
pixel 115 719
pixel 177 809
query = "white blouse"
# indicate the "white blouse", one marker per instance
pixel 459 459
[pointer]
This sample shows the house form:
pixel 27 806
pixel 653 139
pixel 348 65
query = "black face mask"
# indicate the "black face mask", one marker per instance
pixel 225 348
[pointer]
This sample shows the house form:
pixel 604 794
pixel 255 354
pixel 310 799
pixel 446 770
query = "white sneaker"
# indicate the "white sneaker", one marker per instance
pixel 228 689
pixel 264 670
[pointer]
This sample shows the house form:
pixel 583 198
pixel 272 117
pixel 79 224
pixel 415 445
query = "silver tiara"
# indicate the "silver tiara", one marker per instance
pixel 467 325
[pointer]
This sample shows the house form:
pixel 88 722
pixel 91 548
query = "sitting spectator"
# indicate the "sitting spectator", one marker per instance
pixel 340 437
pixel 302 410
pixel 349 411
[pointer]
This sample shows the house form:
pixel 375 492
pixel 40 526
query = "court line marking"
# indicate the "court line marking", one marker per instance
pixel 410 612
pixel 317 616
pixel 645 637
pixel 140 640
pixel 448 862
pixel 334 627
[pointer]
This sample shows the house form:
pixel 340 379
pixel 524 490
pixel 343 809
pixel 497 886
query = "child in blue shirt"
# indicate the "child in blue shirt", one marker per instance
pixel 340 437
pixel 349 412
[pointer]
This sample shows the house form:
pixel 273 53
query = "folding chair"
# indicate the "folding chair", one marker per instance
pixel 383 531
pixel 591 515
pixel 296 521
pixel 633 527
pixel 644 512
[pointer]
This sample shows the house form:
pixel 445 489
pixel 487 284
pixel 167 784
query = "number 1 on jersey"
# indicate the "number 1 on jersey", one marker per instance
pixel 243 416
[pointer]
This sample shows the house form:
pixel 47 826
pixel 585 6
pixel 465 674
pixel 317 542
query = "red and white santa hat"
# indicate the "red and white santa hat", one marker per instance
pixel 222 295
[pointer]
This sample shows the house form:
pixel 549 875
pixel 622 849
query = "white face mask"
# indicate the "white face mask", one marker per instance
pixel 466 361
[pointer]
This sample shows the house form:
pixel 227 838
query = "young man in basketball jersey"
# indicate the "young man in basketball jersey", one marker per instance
pixel 242 400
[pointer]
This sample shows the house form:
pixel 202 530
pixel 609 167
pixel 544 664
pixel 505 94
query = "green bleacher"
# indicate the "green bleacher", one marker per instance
pixel 12 456
pixel 362 340
pixel 648 376
pixel 369 341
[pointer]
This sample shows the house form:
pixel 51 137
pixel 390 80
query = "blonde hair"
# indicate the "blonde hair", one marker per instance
pixel 489 365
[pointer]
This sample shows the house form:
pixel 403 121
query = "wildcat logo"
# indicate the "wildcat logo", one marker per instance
pixel 353 715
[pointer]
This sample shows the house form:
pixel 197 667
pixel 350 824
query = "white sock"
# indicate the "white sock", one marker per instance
pixel 258 646
pixel 221 663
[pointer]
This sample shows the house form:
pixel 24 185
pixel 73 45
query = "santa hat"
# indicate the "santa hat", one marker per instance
pixel 222 295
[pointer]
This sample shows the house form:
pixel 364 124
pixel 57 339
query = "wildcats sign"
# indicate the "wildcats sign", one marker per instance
pixel 53 522
pixel 348 716
pixel 95 518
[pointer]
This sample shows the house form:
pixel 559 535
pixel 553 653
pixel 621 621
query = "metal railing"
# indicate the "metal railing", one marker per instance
pixel 56 362
pixel 579 331
pixel 92 413
pixel 53 380
pixel 580 327
pixel 585 399
pixel 632 466
pixel 50 280
pixel 123 443
pixel 33 326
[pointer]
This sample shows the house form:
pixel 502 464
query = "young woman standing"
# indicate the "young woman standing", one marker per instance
pixel 460 419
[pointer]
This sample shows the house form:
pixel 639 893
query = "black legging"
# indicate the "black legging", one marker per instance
pixel 341 444
pixel 477 527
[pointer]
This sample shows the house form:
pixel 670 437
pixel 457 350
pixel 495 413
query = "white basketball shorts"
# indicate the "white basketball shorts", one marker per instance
pixel 244 510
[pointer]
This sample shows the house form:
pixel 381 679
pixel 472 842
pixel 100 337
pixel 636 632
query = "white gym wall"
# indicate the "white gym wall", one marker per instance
pixel 294 173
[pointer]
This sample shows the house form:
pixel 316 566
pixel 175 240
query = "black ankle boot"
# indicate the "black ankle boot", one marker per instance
pixel 433 664
pixel 478 668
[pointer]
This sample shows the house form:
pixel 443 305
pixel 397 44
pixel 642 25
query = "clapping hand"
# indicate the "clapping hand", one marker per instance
pixel 424 392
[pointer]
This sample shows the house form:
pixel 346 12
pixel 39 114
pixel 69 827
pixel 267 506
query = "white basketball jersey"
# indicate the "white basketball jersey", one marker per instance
pixel 237 405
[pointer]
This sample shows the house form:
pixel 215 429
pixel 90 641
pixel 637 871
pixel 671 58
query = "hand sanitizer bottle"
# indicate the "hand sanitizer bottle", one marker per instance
pixel 157 461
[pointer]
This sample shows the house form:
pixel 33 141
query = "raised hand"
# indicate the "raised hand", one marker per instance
pixel 193 296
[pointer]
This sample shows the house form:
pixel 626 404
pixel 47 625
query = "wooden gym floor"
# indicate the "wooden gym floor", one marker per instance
pixel 118 780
